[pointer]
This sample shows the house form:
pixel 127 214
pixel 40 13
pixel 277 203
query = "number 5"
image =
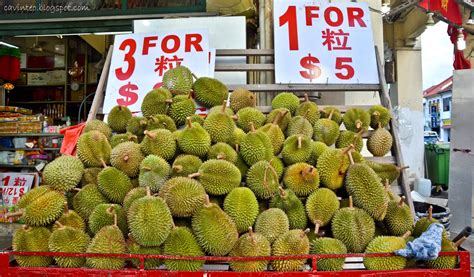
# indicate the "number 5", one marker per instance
pixel 342 64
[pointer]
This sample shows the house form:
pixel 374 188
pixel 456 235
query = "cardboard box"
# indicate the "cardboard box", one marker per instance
pixel 56 77
pixel 29 127
pixel 37 78
pixel 77 95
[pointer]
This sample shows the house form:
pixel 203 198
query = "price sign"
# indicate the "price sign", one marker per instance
pixel 323 43
pixel 14 185
pixel 140 60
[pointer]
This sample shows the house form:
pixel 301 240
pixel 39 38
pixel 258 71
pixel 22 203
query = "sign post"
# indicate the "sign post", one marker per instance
pixel 323 43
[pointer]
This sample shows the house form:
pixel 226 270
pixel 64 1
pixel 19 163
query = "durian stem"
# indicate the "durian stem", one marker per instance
pixel 178 168
pixel 190 95
pixel 406 235
pixel 221 156
pixel 252 127
pixel 194 175
pixel 252 237
pixel 169 101
pixel 25 227
pixel 143 122
pixel 254 99
pixel 380 125
pixel 190 123
pixel 125 158
pixel 402 168
pixel 60 226
pixel 237 148
pixel 104 165
pixel 207 202
pixel 150 134
pixel 348 149
pixel 351 204
pixel 76 189
pixel 330 114
pixel 376 114
pixel 361 132
pixel 13 214
pixel 282 192
pixel 277 118
pixel 306 97
pixel 299 142
pixel 110 210
pixel 224 105
pixel 430 213
pixel 306 231
pixel 148 191
pixel 66 208
pixel 316 228
pixel 350 157
pixel 460 241
pixel 402 200
pixel 120 108
pixel 115 218
pixel 146 168
pixel 173 226
pixel 358 124
pixel 235 117
pixel 132 137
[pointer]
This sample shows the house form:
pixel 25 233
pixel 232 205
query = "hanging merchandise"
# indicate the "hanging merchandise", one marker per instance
pixel 458 38
pixel 9 63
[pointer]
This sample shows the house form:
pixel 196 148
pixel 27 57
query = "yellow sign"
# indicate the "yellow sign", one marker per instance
pixel 446 121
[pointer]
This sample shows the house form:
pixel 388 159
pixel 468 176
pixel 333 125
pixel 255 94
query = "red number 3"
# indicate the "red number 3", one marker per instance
pixel 129 59
pixel 342 64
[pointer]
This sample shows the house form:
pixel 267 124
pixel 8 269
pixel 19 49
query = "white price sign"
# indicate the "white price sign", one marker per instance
pixel 140 60
pixel 14 185
pixel 328 43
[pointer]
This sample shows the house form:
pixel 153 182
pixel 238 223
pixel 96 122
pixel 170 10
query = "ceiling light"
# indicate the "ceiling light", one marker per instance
pixel 430 21
pixel 461 43
pixel 8 45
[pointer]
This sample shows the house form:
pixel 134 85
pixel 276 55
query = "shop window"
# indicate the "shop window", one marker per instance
pixel 447 104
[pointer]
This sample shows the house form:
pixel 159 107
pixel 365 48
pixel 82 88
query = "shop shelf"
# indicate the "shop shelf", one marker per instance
pixel 8 266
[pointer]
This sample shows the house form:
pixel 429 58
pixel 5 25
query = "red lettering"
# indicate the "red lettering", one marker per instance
pixel 147 43
pixel 193 40
pixel 355 14
pixel 328 18
pixel 310 14
pixel 176 44
pixel 290 17
pixel 22 191
pixel 342 63
pixel 6 180
pixel 128 58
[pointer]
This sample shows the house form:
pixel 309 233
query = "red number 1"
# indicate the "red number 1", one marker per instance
pixel 5 181
pixel 290 17
pixel 129 59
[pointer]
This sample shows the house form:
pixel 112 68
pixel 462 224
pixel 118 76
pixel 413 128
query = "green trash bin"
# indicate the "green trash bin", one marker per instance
pixel 437 163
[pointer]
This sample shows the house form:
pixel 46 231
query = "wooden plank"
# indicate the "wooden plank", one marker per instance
pixel 396 148
pixel 322 88
pixel 244 67
pixel 100 91
pixel 244 52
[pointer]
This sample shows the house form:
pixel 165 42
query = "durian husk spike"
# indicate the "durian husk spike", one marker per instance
pixel 194 175
pixel 13 214
pixel 60 226
pixel 460 241
pixel 316 228
pixel 148 191
pixel 146 168
pixel 306 97
pixel 406 235
pixel 189 122
pixel 430 213
pixel 251 234
pixel 224 106
pixel 104 165
pixel 306 231
pixel 402 200
pixel 351 203
pixel 299 142
pixel 177 168
pixel 252 127
pixel 331 114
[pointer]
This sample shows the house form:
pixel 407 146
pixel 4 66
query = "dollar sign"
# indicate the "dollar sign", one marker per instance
pixel 312 71
pixel 129 94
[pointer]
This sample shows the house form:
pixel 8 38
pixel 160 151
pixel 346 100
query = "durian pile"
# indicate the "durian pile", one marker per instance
pixel 236 183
